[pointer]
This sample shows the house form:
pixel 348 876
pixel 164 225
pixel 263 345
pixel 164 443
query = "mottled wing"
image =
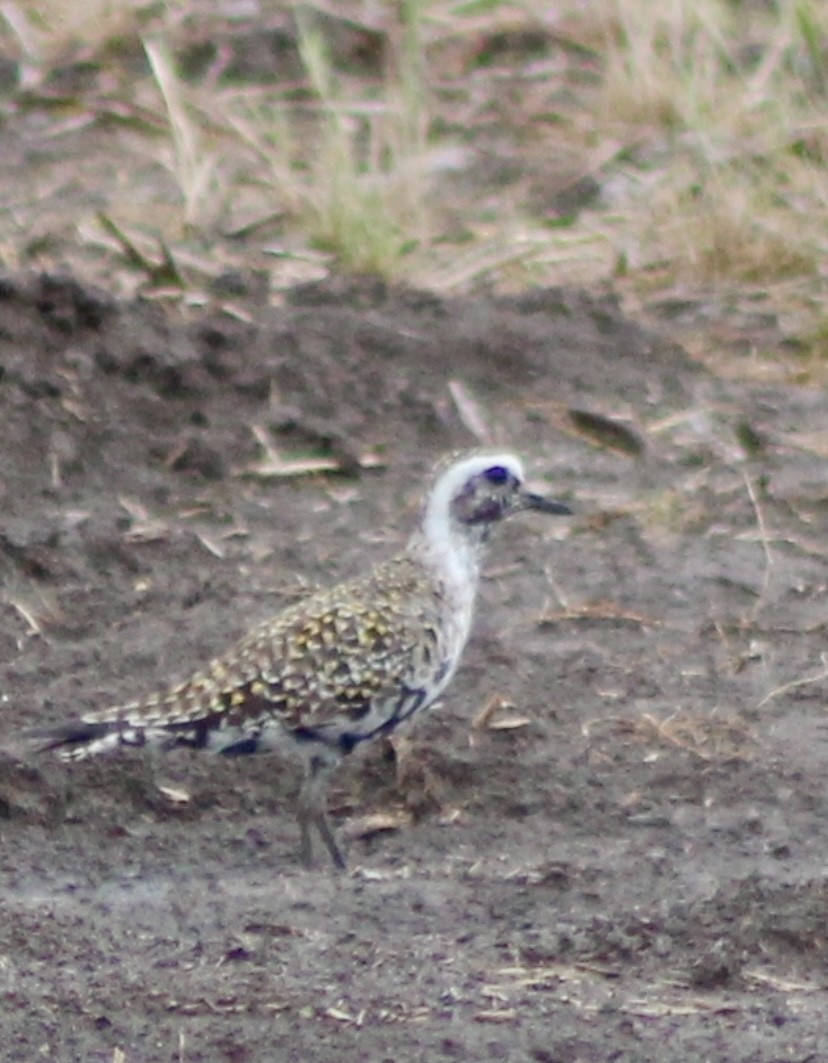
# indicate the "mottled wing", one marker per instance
pixel 344 664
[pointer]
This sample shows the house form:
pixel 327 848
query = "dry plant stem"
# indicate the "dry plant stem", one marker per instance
pixel 794 684
pixel 193 170
pixel 763 534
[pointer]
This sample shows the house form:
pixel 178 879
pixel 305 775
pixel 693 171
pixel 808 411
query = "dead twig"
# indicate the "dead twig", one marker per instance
pixel 489 718
pixel 763 535
pixel 596 611
pixel 470 412
pixel 795 683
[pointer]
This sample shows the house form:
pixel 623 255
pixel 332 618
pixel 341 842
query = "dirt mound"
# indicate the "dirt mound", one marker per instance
pixel 624 859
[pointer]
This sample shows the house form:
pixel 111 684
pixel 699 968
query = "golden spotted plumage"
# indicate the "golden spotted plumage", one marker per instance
pixel 335 658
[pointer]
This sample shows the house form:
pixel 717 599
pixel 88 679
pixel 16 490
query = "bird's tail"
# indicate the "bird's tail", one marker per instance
pixel 79 739
pixel 132 726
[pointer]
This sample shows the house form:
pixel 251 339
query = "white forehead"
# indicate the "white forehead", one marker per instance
pixel 455 476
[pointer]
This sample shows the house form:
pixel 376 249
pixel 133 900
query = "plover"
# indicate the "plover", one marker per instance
pixel 342 666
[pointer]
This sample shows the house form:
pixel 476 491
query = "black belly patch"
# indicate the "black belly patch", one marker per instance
pixel 243 748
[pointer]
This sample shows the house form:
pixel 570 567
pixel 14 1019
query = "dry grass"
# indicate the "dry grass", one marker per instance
pixel 736 92
pixel 192 165
pixel 359 191
pixel 699 123
pixel 43 33
pixel 709 737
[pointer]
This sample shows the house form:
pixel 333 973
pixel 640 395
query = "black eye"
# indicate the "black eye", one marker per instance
pixel 497 474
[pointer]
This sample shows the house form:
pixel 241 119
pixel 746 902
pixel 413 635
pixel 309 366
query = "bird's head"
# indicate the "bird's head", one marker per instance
pixel 473 492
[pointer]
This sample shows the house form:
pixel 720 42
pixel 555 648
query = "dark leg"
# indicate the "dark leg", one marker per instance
pixel 312 812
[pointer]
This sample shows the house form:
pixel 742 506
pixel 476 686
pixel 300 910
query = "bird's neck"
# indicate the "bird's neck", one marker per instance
pixel 453 552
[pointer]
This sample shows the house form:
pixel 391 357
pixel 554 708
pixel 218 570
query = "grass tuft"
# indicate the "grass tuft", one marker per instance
pixel 722 105
pixel 348 164
pixel 360 182
pixel 192 165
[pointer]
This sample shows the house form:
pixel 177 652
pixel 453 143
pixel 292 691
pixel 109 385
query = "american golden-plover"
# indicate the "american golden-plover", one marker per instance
pixel 342 666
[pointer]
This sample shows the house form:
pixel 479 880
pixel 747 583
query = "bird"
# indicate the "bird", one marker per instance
pixel 344 665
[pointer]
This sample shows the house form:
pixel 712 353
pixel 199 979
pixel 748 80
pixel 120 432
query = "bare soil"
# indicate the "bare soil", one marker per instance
pixel 624 861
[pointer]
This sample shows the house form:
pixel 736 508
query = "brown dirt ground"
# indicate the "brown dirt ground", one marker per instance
pixel 635 871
